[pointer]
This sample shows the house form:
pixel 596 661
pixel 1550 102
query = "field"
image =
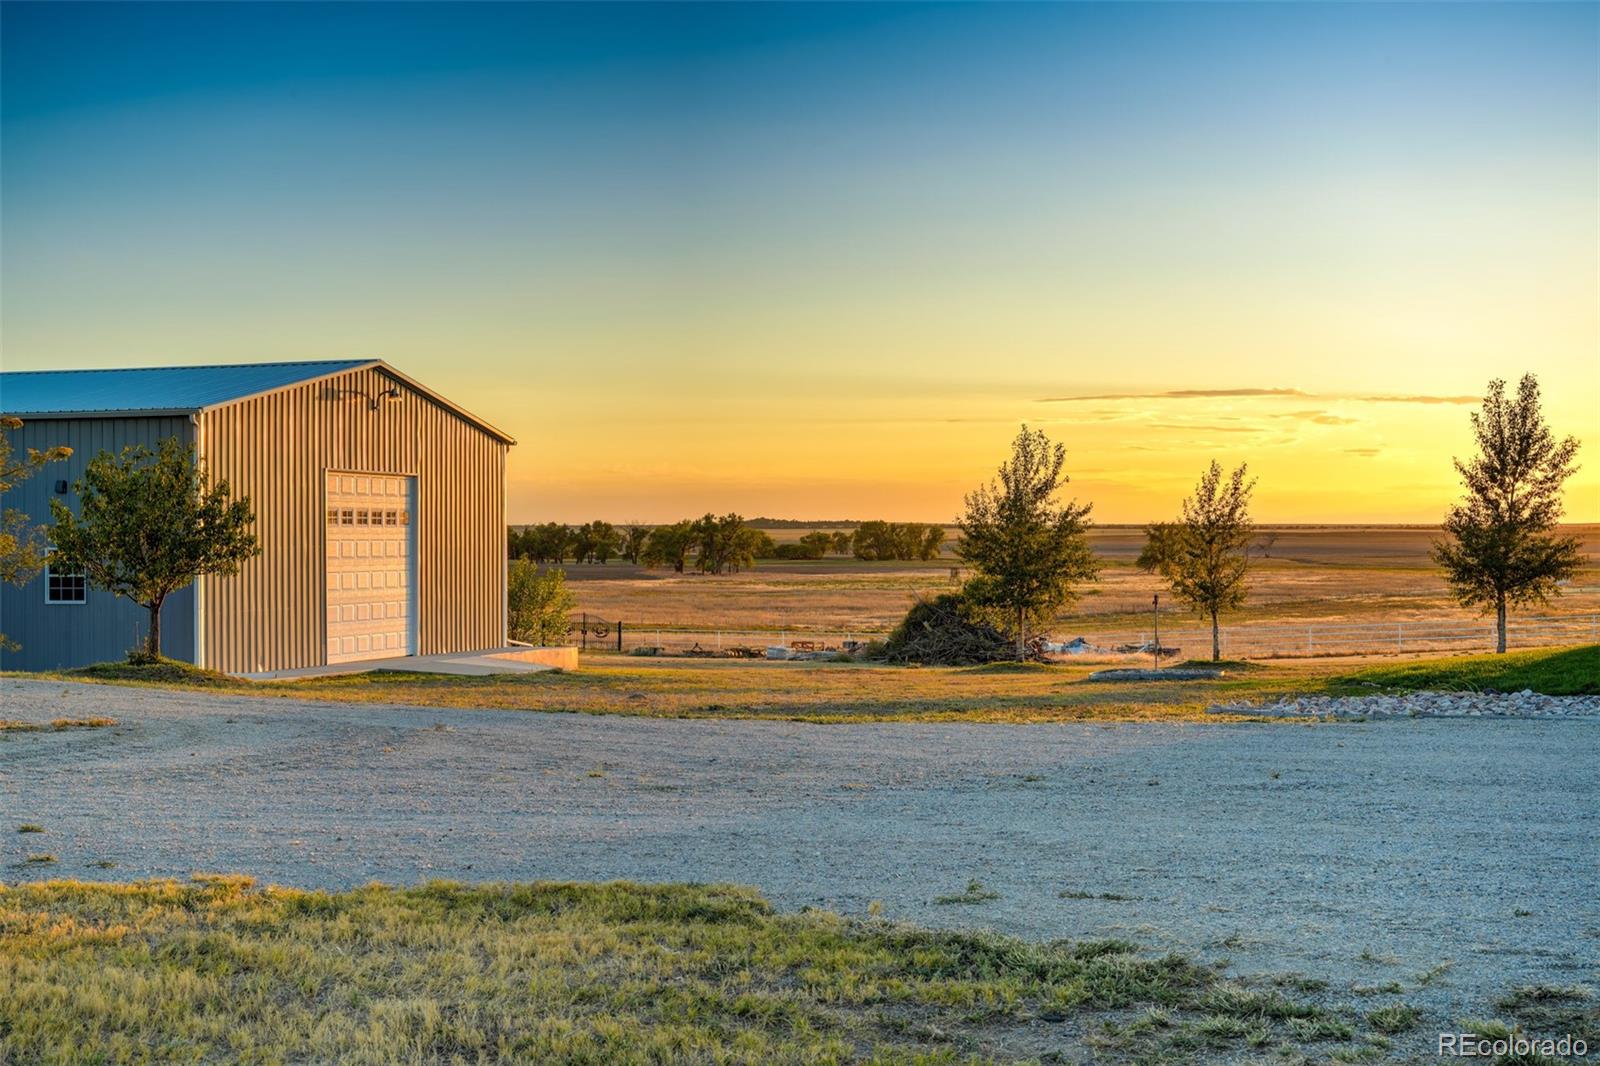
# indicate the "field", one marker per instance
pixel 1315 591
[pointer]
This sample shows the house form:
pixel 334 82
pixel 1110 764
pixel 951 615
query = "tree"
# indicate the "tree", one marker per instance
pixel 872 541
pixel 538 603
pixel 815 545
pixel 1160 544
pixel 1502 549
pixel 603 541
pixel 149 524
pixel 759 543
pixel 843 541
pixel 546 543
pixel 22 547
pixel 725 544
pixel 633 540
pixel 1029 552
pixel 1206 554
pixel 669 545
pixel 932 542
pixel 581 541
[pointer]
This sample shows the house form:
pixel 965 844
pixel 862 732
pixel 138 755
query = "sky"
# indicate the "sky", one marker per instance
pixel 822 261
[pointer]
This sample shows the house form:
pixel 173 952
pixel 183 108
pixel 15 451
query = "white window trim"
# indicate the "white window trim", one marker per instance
pixel 63 603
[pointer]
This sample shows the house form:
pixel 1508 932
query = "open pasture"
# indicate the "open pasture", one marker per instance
pixel 1302 576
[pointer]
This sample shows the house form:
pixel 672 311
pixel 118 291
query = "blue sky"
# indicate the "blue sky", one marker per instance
pixel 663 243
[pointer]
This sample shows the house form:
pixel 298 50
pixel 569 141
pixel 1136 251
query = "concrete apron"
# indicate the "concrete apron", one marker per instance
pixel 511 660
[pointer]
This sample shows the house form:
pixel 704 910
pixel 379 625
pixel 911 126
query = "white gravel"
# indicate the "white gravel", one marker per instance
pixel 1524 704
pixel 1358 852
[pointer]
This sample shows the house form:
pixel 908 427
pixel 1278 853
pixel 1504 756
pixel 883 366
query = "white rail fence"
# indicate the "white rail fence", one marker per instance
pixel 1412 636
pixel 1276 640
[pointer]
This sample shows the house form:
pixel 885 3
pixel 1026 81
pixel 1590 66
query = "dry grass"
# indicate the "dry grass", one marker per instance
pixel 828 692
pixel 811 691
pixel 13 725
pixel 96 722
pixel 1330 575
pixel 221 970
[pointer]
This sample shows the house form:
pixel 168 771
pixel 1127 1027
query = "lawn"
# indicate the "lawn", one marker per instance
pixel 223 970
pixel 863 692
pixel 1562 672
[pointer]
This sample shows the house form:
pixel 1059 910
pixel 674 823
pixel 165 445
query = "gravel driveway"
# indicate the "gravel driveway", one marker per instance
pixel 1361 853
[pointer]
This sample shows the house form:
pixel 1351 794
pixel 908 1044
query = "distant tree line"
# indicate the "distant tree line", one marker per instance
pixel 713 544
pixel 716 545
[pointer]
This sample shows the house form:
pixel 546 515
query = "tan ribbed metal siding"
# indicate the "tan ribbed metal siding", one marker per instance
pixel 277 449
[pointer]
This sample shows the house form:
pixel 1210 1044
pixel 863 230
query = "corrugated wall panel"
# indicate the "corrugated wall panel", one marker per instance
pixel 55 636
pixel 277 449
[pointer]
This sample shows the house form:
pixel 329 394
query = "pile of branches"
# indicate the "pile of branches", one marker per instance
pixel 944 631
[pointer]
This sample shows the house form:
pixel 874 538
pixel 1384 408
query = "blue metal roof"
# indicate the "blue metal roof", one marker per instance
pixel 152 389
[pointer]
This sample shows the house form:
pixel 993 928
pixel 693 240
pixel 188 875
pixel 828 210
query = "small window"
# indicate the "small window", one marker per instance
pixel 390 518
pixel 361 516
pixel 405 518
pixel 64 586
pixel 347 518
pixel 333 516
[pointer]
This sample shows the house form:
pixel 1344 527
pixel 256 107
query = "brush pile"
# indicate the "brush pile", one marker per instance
pixel 944 632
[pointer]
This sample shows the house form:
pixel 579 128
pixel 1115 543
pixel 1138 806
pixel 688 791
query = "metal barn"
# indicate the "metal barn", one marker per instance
pixel 380 508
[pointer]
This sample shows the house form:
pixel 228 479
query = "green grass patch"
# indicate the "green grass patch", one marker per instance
pixel 160 672
pixel 1546 1010
pixel 1394 1018
pixel 1554 672
pixel 221 970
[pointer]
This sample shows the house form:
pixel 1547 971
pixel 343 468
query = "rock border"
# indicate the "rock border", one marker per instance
pixel 1524 704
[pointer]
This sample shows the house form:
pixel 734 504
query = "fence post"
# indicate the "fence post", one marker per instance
pixel 619 634
pixel 585 637
pixel 1399 636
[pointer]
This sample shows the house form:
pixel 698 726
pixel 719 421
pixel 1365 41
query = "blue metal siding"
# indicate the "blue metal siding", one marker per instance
pixel 54 636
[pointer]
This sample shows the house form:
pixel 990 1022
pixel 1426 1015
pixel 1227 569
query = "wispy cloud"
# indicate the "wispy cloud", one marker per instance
pixel 1320 418
pixel 1365 453
pixel 1256 393
pixel 1176 394
pixel 1419 399
pixel 1203 429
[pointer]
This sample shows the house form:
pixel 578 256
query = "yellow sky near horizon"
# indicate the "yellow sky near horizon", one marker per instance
pixel 1318 457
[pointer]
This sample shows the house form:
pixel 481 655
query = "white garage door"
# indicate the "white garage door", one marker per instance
pixel 372 610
